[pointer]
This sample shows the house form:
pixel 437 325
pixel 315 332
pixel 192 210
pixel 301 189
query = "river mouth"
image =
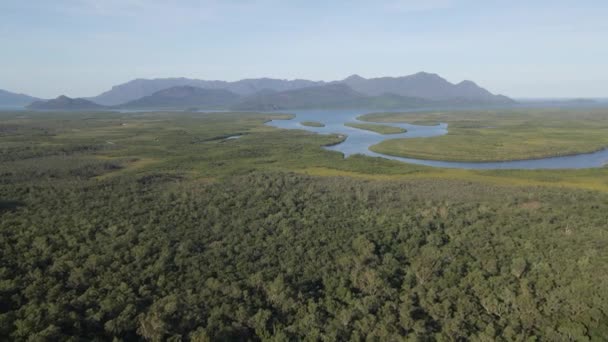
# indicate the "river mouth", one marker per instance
pixel 358 141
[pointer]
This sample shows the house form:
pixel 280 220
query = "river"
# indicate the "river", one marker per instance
pixel 358 141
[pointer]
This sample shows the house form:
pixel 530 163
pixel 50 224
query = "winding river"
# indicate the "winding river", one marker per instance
pixel 358 141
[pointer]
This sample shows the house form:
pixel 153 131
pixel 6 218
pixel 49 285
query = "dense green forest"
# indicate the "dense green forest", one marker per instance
pixel 156 227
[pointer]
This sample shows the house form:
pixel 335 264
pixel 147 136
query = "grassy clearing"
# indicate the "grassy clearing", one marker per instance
pixel 592 179
pixel 382 129
pixel 312 124
pixel 500 135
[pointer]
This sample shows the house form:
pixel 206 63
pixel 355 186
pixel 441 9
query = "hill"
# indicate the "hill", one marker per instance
pixel 186 97
pixel 65 103
pixel 425 86
pixel 8 98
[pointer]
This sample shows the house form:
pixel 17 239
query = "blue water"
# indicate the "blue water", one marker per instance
pixel 358 141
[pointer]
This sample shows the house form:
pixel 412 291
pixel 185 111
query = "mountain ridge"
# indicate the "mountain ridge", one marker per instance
pixel 8 98
pixel 63 102
pixel 424 85
pixel 326 96
pixel 139 88
pixel 185 96
pixel 418 90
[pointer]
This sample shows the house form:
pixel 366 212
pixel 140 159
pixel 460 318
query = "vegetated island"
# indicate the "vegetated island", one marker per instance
pixel 412 118
pixel 425 123
pixel 499 135
pixel 312 124
pixel 382 129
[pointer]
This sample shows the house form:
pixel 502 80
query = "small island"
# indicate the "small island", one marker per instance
pixel 425 123
pixel 312 124
pixel 382 129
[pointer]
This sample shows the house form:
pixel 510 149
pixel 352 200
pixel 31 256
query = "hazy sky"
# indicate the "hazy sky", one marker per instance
pixel 519 48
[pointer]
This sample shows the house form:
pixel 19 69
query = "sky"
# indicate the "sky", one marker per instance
pixel 518 48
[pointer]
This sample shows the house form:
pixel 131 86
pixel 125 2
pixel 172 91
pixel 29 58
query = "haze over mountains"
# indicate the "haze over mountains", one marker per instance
pixel 139 88
pixel 185 96
pixel 13 99
pixel 65 103
pixel 417 90
pixel 422 85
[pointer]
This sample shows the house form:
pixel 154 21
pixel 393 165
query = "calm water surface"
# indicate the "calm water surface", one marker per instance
pixel 358 141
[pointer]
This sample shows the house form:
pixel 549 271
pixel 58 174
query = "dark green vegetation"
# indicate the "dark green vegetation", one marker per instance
pixel 382 129
pixel 501 134
pixel 312 124
pixel 155 226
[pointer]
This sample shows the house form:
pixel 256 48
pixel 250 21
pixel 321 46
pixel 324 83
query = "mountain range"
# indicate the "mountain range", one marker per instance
pixel 422 85
pixel 139 88
pixel 417 90
pixel 185 97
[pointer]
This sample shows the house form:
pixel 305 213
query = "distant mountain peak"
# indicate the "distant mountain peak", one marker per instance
pixel 424 73
pixel 428 86
pixel 467 83
pixel 427 75
pixel 354 77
